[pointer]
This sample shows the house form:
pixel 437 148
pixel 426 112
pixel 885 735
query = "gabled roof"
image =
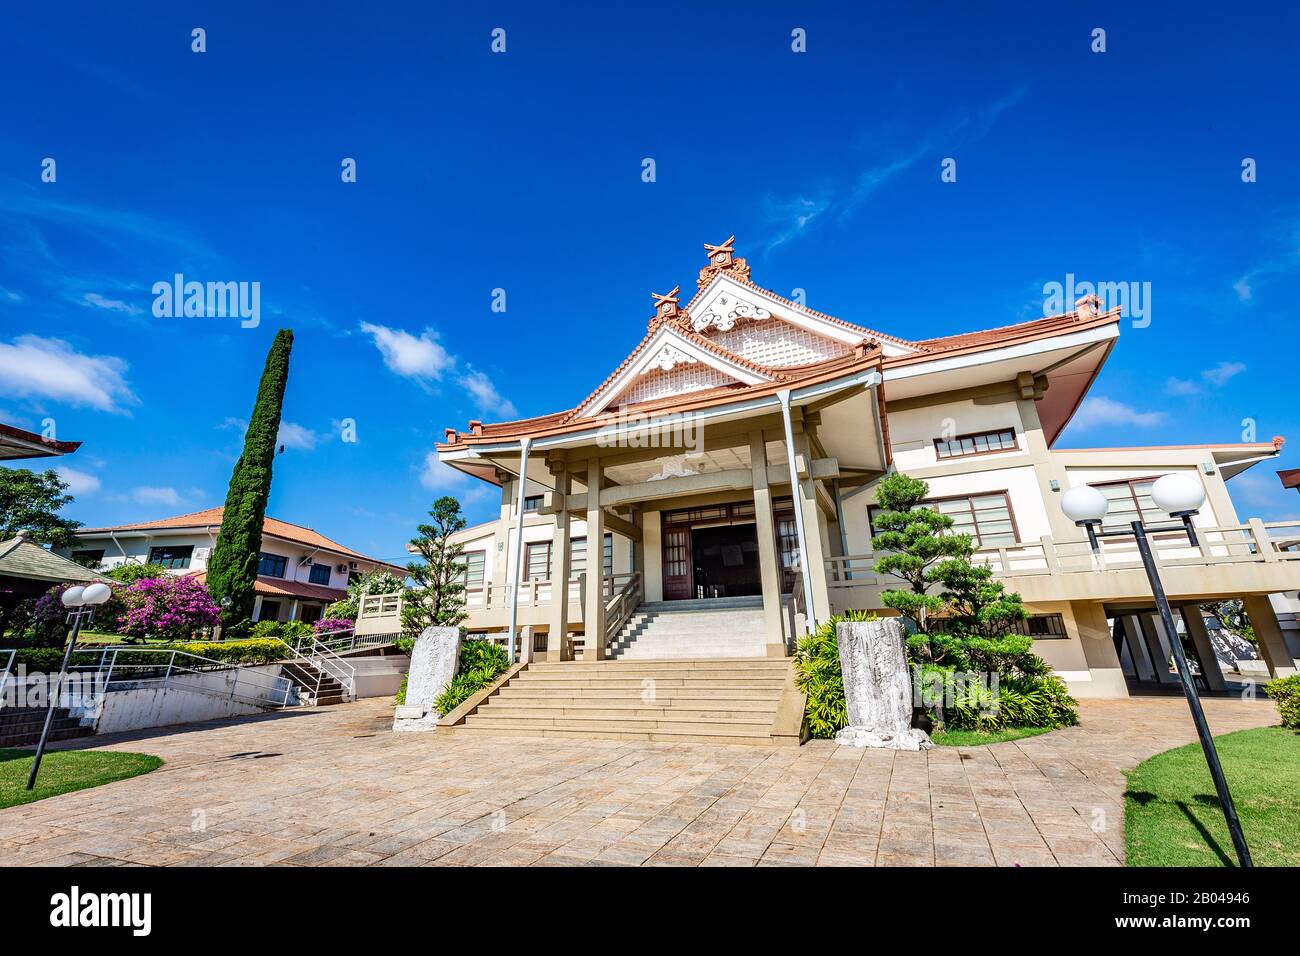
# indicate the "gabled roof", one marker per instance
pixel 18 443
pixel 22 558
pixel 211 518
pixel 678 326
pixel 278 587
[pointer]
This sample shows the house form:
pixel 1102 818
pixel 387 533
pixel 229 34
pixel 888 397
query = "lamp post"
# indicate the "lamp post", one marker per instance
pixel 81 603
pixel 1181 496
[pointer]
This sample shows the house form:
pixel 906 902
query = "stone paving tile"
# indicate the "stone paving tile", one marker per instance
pixel 337 789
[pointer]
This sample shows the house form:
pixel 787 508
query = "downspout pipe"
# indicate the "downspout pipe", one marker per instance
pixel 524 445
pixel 797 494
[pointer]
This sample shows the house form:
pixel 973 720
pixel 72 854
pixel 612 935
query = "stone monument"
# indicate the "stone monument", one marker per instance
pixel 433 665
pixel 877 687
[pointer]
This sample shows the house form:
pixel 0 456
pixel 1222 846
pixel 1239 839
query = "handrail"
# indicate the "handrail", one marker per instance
pixel 326 661
pixel 4 675
pixel 621 606
pixel 274 691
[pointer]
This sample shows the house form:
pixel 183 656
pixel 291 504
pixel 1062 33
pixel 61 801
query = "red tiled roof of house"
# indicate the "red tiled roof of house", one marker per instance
pixel 277 587
pixel 211 518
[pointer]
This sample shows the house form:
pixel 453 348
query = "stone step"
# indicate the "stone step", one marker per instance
pixel 701 711
pixel 630 725
pixel 634 693
pixel 662 736
pixel 732 666
pixel 699 684
pixel 704 604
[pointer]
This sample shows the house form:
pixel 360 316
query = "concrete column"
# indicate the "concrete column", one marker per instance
pixel 1137 647
pixel 593 620
pixel 652 574
pixel 1268 634
pixel 1099 650
pixel 257 607
pixel 1195 624
pixel 499 557
pixel 1153 634
pixel 769 559
pixel 557 648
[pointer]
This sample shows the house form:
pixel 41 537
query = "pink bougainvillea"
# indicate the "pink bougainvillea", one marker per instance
pixel 332 625
pixel 172 607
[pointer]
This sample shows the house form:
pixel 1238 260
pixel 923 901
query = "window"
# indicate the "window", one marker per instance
pixel 578 556
pixel 1043 627
pixel 270 611
pixel 91 558
pixel 538 563
pixel 474 563
pixel 533 503
pixel 986 518
pixel 320 574
pixel 272 565
pixel 981 443
pixel 1130 501
pixel 174 556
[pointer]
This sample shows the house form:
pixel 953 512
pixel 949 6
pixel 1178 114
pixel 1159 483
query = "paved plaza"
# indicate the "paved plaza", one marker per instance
pixel 334 786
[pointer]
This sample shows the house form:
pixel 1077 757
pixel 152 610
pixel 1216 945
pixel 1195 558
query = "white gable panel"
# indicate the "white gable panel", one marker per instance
pixel 680 380
pixel 779 344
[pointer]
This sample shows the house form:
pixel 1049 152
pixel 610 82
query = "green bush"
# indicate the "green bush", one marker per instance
pixel 48 659
pixel 400 699
pixel 818 675
pixel 481 662
pixel 1285 692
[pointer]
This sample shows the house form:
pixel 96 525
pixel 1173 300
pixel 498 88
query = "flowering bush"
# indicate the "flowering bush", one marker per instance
pixel 329 626
pixel 172 607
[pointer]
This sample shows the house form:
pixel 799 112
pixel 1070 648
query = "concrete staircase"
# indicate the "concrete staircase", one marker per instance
pixel 21 726
pixel 315 688
pixel 692 630
pixel 739 701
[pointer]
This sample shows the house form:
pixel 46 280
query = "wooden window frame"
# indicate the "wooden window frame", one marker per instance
pixel 1143 516
pixel 311 575
pixel 1015 444
pixel 284 564
pixel 1005 493
pixel 1059 619
pixel 533 503
pixel 528 560
pixel 464 574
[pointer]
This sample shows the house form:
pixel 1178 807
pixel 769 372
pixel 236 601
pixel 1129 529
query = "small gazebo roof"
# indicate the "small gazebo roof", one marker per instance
pixel 23 558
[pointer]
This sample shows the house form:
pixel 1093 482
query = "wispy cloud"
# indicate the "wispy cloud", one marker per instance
pixel 290 435
pixel 1215 377
pixel 32 367
pixel 79 483
pixel 442 479
pixel 153 495
pixel 792 217
pixel 1100 411
pixel 98 301
pixel 423 359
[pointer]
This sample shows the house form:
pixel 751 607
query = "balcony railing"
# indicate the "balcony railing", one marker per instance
pixel 1256 542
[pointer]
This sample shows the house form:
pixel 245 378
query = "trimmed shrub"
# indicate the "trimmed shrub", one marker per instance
pixel 1285 692
pixel 48 659
pixel 481 662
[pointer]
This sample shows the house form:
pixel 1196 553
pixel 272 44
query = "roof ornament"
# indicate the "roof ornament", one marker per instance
pixel 1088 307
pixel 726 311
pixel 667 306
pixel 667 359
pixel 722 258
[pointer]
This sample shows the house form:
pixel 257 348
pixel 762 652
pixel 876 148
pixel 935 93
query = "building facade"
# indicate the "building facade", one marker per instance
pixel 734 454
pixel 300 571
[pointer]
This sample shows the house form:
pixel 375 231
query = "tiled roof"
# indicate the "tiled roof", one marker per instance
pixel 211 518
pixel 21 558
pixel 278 587
pixel 25 444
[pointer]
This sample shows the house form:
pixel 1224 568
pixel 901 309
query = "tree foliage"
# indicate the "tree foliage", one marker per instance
pixel 232 570
pixel 31 500
pixel 377 581
pixel 438 597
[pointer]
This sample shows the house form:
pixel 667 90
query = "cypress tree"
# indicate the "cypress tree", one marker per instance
pixel 232 570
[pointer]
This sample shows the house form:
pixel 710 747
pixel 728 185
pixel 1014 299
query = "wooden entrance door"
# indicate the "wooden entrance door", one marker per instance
pixel 678 579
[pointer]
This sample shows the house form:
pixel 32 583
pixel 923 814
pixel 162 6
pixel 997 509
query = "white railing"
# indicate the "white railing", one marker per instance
pixel 380 613
pixel 4 675
pixel 343 642
pixel 1252 543
pixel 325 662
pixel 163 667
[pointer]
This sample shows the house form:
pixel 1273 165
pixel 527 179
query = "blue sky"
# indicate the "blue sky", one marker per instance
pixel 522 171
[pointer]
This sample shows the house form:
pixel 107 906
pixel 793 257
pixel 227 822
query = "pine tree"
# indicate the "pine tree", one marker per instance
pixel 232 570
pixel 438 598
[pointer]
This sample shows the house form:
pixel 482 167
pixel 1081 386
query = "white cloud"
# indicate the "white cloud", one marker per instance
pixel 1243 289
pixel 293 435
pixel 1181 386
pixel 78 482
pixel 36 367
pixel 1106 411
pixel 112 305
pixel 485 394
pixel 442 479
pixel 148 495
pixel 409 356
pixel 1221 373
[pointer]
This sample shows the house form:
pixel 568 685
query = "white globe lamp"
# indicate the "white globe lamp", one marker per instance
pixel 96 593
pixel 73 597
pixel 1084 505
pixel 1178 494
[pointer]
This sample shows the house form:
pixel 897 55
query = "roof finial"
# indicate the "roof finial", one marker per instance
pixel 666 306
pixel 722 258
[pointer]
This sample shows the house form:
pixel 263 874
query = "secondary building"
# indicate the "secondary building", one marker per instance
pixel 730 461
pixel 300 572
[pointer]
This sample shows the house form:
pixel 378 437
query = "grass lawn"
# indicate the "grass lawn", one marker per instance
pixel 1172 815
pixel 63 771
pixel 976 738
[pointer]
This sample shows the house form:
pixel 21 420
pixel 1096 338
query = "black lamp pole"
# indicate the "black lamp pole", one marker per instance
pixel 77 615
pixel 1140 532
